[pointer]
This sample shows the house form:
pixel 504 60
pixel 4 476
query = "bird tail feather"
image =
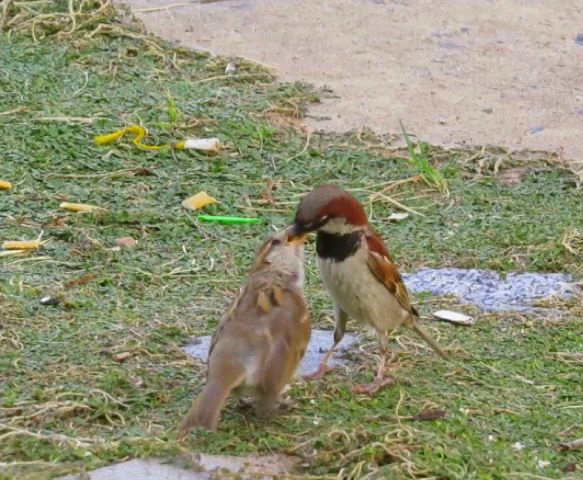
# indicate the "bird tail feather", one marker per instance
pixel 425 336
pixel 205 410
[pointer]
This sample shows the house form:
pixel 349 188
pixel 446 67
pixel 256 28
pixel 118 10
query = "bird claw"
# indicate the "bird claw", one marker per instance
pixel 288 403
pixel 243 404
pixel 372 388
pixel 322 370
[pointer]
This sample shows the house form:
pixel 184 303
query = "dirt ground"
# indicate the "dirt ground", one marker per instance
pixel 505 72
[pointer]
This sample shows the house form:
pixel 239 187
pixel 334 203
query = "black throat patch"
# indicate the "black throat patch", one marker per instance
pixel 337 246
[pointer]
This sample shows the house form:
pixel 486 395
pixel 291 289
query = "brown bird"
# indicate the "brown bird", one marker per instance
pixel 358 271
pixel 261 338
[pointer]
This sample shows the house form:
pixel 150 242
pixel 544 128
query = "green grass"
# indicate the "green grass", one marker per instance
pixel 431 175
pixel 68 403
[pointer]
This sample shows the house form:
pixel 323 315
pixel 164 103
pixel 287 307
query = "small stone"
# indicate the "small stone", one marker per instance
pixel 126 242
pixel 398 216
pixel 432 414
pixel 451 46
pixel 453 317
pixel 230 69
pixel 120 357
pixel 49 301
pixel 513 176
pixel 579 39
pixel 144 171
pixel 137 381
pixel 488 110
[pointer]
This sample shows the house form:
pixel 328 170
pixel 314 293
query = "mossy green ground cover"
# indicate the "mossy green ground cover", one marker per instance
pixel 69 401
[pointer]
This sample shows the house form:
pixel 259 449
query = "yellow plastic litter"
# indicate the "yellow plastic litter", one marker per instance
pixel 199 200
pixel 12 252
pixel 211 145
pixel 22 245
pixel 139 132
pixel 79 207
pixel 5 185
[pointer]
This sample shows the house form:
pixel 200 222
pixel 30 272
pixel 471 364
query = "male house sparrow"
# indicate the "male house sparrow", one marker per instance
pixel 358 271
pixel 261 338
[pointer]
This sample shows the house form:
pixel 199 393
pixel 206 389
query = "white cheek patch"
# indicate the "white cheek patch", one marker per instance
pixel 339 226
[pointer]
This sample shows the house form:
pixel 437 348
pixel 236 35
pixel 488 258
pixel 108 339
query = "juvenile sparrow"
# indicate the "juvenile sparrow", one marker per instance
pixel 358 271
pixel 261 338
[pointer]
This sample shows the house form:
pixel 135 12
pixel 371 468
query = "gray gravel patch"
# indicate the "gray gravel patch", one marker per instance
pixel 320 342
pixel 244 467
pixel 491 290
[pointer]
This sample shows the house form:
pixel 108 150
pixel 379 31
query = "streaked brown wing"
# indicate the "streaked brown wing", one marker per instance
pixel 387 273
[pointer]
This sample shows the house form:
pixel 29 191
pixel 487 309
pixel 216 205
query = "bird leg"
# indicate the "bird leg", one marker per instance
pixel 381 379
pixel 339 328
pixel 324 367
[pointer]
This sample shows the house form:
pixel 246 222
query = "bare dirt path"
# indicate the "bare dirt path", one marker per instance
pixel 505 72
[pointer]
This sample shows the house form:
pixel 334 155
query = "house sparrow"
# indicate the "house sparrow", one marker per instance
pixel 261 338
pixel 358 271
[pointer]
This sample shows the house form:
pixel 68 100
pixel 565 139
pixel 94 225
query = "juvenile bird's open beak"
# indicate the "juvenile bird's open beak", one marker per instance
pixel 292 235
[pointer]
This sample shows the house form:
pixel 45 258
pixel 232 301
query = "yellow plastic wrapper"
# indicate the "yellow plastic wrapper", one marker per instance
pixel 139 133
pixel 208 145
pixel 79 207
pixel 22 245
pixel 201 199
pixel 5 185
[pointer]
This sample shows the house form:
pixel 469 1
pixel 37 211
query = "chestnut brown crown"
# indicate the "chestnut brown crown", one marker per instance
pixel 326 202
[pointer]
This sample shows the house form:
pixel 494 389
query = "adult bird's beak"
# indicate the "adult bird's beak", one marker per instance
pixel 294 235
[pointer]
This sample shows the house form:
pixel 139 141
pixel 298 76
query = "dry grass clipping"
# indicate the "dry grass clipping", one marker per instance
pixel 573 241
pixel 39 17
